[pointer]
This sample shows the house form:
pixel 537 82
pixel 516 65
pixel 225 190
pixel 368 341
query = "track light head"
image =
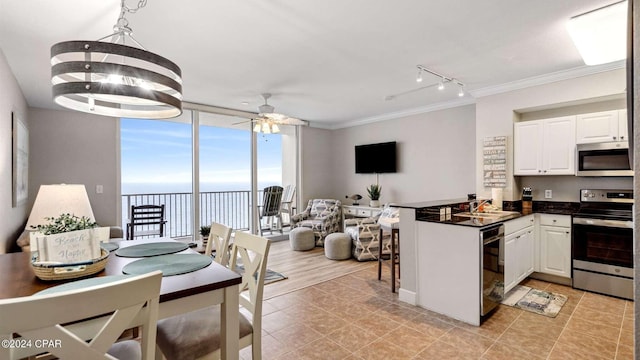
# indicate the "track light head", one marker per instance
pixel 461 91
pixel 441 85
pixel 419 77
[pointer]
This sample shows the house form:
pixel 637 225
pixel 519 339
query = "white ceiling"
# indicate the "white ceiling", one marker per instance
pixel 331 62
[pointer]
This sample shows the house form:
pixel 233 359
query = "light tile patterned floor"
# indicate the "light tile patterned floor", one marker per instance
pixel 357 317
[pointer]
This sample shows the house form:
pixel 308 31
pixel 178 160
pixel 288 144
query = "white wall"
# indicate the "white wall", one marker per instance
pixel 76 148
pixel 435 157
pixel 12 219
pixel 317 158
pixel 496 114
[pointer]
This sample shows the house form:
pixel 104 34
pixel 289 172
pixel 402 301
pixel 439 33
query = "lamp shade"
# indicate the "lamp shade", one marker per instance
pixel 55 200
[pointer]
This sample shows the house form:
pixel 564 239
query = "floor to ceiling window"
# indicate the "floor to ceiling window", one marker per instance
pixel 158 167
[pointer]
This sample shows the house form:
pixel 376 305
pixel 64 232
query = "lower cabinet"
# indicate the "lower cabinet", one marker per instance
pixel 518 256
pixel 555 250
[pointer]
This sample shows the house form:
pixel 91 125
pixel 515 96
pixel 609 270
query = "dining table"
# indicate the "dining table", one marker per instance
pixel 179 294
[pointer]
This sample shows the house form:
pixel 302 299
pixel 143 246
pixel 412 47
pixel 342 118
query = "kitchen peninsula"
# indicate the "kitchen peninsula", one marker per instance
pixel 442 257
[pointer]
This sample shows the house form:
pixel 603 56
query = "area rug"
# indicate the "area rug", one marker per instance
pixel 536 301
pixel 270 277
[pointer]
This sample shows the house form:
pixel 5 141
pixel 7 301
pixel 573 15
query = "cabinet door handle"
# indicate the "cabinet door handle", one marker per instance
pixel 567 233
pixel 545 171
pixel 539 170
pixel 614 138
pixel 622 137
pixel 554 220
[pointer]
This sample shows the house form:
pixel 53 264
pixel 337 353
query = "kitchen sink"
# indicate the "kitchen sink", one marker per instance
pixel 490 214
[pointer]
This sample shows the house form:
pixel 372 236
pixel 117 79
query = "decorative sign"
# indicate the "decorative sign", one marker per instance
pixel 494 168
pixel 70 247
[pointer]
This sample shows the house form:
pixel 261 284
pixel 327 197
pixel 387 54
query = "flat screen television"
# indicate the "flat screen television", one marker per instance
pixel 376 158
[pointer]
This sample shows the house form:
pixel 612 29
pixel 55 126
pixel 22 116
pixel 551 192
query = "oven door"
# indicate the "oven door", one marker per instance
pixel 608 242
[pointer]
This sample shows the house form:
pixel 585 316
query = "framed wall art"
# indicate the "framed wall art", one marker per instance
pixel 20 152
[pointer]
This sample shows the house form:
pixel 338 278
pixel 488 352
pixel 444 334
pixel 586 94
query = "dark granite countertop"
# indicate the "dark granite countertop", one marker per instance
pixel 431 211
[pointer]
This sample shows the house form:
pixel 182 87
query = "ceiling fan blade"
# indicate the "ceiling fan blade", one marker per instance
pixel 243 122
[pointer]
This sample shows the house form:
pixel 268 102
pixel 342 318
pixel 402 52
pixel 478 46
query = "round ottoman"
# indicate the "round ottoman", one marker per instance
pixel 302 239
pixel 337 246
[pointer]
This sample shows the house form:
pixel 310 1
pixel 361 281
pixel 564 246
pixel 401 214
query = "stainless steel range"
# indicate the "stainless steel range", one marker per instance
pixel 602 242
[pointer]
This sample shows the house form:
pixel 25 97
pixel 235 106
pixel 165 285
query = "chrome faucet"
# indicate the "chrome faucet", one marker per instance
pixel 475 205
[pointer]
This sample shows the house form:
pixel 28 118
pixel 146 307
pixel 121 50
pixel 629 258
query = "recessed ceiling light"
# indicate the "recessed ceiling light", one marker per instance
pixel 601 35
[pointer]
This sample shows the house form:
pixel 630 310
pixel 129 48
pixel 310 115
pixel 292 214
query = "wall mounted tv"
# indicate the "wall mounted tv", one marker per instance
pixel 376 158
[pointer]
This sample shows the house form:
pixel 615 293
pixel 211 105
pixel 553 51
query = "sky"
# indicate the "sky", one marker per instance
pixel 156 157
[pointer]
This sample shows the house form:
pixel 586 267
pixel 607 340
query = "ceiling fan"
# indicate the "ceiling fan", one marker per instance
pixel 268 120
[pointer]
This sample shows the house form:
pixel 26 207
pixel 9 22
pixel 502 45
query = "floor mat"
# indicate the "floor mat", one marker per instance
pixel 536 301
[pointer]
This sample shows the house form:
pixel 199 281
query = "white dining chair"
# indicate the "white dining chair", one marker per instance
pixel 219 237
pixel 196 335
pixel 83 323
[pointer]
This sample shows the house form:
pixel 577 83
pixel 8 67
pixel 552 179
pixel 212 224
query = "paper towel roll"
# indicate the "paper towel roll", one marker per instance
pixel 496 197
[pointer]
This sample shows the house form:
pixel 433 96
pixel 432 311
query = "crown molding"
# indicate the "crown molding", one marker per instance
pixel 547 78
pixel 408 112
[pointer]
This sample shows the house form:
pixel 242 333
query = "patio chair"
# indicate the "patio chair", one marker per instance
pixel 197 334
pixel 146 220
pixel 63 315
pixel 270 209
pixel 287 207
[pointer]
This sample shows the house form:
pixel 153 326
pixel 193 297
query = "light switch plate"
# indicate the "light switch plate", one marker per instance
pixel 99 189
pixel 548 194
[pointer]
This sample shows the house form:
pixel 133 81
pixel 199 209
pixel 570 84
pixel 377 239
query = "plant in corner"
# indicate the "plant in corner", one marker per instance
pixel 374 194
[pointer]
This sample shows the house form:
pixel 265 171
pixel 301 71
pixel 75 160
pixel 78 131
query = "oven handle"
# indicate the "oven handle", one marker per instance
pixel 604 223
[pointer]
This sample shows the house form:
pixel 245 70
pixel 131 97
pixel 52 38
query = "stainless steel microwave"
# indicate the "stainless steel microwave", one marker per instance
pixel 604 159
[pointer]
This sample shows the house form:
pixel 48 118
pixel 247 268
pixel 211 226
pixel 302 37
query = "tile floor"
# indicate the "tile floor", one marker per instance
pixel 357 317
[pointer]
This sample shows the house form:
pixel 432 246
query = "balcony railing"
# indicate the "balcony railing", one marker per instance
pixel 232 208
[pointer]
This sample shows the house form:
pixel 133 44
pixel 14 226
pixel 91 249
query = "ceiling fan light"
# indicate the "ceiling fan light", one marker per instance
pixel 256 128
pixel 275 129
pixel 265 128
pixel 600 35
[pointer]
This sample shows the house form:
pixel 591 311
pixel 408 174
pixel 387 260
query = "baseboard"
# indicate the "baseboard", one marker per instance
pixel 551 278
pixel 407 296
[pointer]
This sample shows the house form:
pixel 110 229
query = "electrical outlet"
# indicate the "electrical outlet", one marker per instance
pixel 548 194
pixel 99 189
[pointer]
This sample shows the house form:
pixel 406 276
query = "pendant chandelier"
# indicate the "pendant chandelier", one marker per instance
pixel 113 79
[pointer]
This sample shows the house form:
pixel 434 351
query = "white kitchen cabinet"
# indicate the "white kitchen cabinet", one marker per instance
pixel 519 245
pixel 604 126
pixel 545 147
pixel 555 245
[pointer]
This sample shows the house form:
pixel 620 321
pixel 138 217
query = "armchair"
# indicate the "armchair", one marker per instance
pixel 365 234
pixel 322 216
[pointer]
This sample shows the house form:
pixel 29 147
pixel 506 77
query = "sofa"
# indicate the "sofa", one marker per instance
pixel 365 233
pixel 323 216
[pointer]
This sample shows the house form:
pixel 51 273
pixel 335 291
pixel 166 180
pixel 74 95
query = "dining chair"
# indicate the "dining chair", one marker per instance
pixel 219 237
pixel 270 208
pixel 59 322
pixel 146 220
pixel 196 335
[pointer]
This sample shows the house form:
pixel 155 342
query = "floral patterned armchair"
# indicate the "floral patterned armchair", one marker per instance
pixel 365 234
pixel 322 216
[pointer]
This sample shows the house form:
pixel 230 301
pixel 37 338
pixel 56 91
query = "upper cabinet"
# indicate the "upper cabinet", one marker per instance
pixel 605 126
pixel 545 147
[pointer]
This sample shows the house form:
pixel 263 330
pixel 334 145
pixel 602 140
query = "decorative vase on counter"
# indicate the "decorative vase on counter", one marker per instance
pixel 374 203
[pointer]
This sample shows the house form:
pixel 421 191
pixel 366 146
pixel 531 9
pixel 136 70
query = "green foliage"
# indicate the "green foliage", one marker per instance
pixel 65 223
pixel 205 230
pixel 374 191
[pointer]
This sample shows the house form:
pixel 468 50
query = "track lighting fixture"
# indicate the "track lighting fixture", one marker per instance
pixel 419 77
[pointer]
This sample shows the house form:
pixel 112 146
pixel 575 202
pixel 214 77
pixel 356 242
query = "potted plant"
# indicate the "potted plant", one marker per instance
pixel 65 223
pixel 204 231
pixel 374 194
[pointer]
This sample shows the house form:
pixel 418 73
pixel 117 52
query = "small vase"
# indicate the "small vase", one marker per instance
pixel 374 203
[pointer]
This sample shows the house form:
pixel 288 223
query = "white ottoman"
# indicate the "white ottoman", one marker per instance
pixel 337 246
pixel 302 239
